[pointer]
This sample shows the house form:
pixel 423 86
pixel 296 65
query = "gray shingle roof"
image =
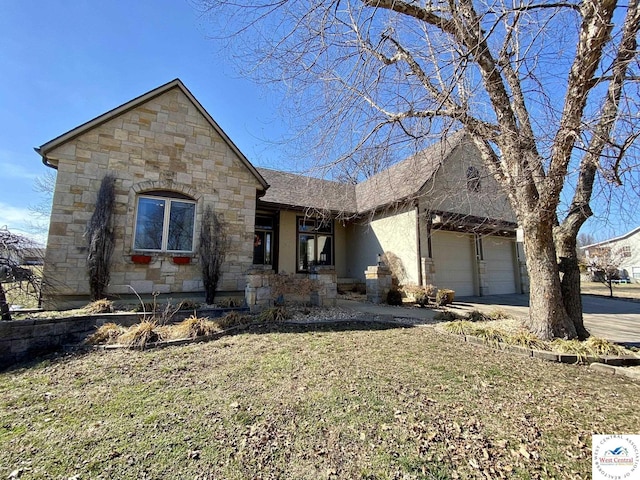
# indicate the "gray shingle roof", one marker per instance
pixel 398 183
pixel 307 192
pixel 405 179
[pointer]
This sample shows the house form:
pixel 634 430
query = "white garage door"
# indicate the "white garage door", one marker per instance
pixel 453 258
pixel 501 273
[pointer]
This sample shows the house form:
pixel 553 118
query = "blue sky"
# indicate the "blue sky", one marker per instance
pixel 63 63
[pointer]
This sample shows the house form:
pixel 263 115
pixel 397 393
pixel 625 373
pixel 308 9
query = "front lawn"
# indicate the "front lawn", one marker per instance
pixel 354 401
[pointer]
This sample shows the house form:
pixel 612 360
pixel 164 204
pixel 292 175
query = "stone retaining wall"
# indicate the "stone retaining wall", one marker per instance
pixel 22 340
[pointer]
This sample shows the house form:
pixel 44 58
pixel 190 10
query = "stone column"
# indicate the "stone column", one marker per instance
pixel 326 287
pixel 428 271
pixel 483 281
pixel 378 280
pixel 257 293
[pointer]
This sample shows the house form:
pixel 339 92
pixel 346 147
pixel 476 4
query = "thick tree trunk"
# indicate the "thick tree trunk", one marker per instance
pixel 548 316
pixel 5 314
pixel 571 297
pixel 565 236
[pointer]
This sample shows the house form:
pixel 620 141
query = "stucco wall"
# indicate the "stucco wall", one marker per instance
pixel 164 144
pixel 287 246
pixel 287 242
pixel 392 234
pixel 447 190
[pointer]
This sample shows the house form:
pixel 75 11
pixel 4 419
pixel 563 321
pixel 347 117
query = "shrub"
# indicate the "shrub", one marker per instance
pixel 100 306
pixel 394 297
pixel 444 297
pixel 431 290
pixel 421 297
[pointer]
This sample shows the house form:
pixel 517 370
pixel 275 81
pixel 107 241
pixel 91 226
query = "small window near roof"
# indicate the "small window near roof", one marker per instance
pixel 165 223
pixel 626 251
pixel 473 179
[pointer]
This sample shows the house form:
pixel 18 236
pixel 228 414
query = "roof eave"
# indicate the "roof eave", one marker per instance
pixel 45 159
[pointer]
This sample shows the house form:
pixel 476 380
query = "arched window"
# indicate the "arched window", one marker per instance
pixel 473 179
pixel 165 222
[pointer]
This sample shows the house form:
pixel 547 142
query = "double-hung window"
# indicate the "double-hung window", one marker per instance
pixel 315 243
pixel 165 222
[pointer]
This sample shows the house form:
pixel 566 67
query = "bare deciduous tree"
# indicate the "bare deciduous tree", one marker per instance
pixel 44 185
pixel 546 90
pixel 13 276
pixel 604 266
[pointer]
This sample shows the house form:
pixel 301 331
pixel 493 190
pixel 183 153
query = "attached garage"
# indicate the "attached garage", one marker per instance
pixel 500 265
pixel 453 256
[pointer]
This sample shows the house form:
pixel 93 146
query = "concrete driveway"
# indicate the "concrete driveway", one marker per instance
pixel 610 318
pixel 614 319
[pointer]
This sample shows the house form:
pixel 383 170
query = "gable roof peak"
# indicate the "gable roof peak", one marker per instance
pixel 45 149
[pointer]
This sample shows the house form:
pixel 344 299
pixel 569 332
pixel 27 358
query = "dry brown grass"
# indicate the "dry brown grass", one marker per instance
pixel 140 335
pixel 193 327
pixel 623 290
pixel 289 402
pixel 106 334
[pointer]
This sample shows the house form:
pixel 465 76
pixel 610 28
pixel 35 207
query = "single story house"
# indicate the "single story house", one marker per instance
pixel 437 217
pixel 625 250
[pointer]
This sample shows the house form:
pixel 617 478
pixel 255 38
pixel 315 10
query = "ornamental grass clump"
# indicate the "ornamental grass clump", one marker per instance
pixel 600 346
pixel 460 327
pixel 232 319
pixel 477 316
pixel 498 314
pixel 99 306
pixel 140 335
pixel 108 333
pixel 573 347
pixel 490 335
pixel 524 338
pixel 274 315
pixel 447 316
pixel 194 327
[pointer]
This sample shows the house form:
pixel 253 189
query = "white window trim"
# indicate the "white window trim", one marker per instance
pixel 165 224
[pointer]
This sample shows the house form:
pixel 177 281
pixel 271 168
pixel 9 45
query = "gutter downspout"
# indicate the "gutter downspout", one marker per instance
pixel 418 244
pixel 45 160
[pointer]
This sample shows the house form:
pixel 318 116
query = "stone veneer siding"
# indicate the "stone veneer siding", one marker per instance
pixel 163 144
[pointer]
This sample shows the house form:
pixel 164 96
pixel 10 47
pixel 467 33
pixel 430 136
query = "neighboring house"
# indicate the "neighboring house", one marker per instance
pixel 436 217
pixel 626 249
